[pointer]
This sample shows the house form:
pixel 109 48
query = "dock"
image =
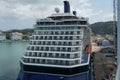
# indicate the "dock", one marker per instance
pixel 103 63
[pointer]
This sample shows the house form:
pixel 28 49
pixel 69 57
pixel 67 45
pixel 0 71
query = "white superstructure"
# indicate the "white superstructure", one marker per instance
pixel 58 41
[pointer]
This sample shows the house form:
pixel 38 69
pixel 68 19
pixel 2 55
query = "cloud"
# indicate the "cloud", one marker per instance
pixel 23 10
pixel 37 8
pixel 107 16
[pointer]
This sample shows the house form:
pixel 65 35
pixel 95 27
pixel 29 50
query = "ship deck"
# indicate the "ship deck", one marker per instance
pixel 84 67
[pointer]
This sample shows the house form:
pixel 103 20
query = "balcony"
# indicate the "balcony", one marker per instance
pixel 51 62
pixel 51 55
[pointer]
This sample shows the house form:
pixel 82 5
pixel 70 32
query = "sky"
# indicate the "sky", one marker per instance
pixel 22 14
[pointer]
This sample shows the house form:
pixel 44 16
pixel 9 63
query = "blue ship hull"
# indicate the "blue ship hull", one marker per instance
pixel 48 73
pixel 36 76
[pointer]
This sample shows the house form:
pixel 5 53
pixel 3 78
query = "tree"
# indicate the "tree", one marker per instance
pixel 8 36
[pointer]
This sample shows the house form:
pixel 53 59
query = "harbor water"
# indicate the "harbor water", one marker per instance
pixel 10 54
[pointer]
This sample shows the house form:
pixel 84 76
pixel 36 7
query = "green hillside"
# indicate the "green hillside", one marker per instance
pixel 97 28
pixel 102 27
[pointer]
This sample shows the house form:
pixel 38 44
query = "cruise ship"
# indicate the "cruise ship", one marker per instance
pixel 59 48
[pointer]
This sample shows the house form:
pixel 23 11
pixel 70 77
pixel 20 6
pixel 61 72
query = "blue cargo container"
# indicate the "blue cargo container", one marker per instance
pixel 105 43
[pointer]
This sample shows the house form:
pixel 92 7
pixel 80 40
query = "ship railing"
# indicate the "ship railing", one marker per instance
pixel 36 25
pixel 58 38
pixel 51 56
pixel 62 50
pixel 37 61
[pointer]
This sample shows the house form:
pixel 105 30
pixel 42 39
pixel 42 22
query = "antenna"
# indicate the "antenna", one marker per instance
pixel 74 13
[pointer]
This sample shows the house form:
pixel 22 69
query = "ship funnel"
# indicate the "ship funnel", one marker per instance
pixel 66 7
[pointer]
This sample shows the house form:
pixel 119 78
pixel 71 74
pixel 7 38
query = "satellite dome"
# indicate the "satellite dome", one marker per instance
pixel 57 10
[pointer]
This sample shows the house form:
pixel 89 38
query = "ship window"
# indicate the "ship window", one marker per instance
pixel 43 61
pixel 37 61
pixel 50 38
pixel 69 49
pixel 57 55
pixel 55 48
pixel 50 54
pixel 71 33
pixel 65 43
pixel 63 49
pixel 52 49
pixel 30 53
pixel 78 32
pixel 53 42
pixel 76 61
pixel 79 27
pixel 37 48
pixel 58 49
pixel 45 33
pixel 34 43
pixel 63 55
pixel 55 62
pixel 26 60
pixel 78 37
pixel 48 43
pixel 52 28
pixel 44 54
pixel 59 43
pixel 41 37
pixel 39 42
pixel 39 54
pixel 83 22
pixel 47 48
pixel 56 33
pixel 67 33
pixel 49 61
pixel 70 43
pixel 39 32
pixel 33 60
pixel 65 38
pixel 62 33
pixel 77 43
pixel 77 55
pixel 32 48
pixel 52 33
pixel 34 54
pixel 66 62
pixel 61 63
pixel 70 38
pixel 55 37
pixel 61 37
pixel 43 42
pixel 45 37
pixel 77 48
pixel 42 48
pixel 68 55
